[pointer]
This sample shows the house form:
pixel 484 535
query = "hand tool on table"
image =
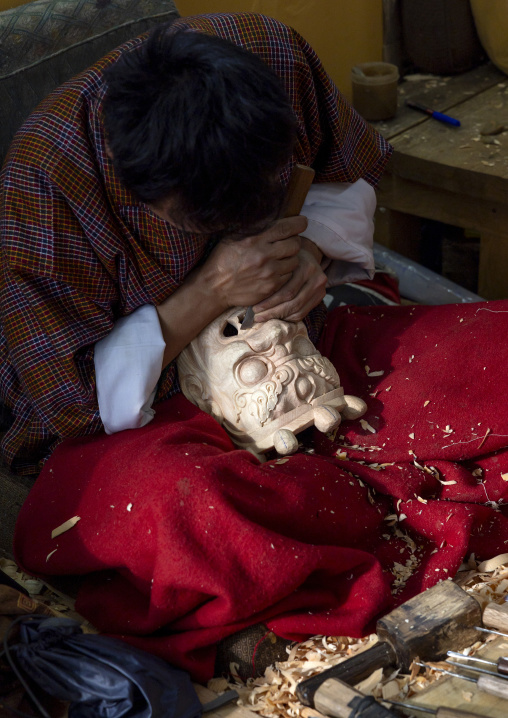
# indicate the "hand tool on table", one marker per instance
pixel 299 184
pixel 433 113
pixel 501 663
pixel 340 700
pixel 426 626
pixel 488 684
pixel 495 615
pixel 441 712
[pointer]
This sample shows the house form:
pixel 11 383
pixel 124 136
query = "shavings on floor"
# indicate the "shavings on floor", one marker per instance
pixel 57 602
pixel 274 694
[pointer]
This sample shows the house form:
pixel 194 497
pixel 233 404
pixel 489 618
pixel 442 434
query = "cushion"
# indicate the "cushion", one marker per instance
pixel 46 42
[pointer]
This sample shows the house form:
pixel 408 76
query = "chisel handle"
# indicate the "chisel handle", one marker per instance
pixel 337 699
pixel 298 187
pixel 299 184
pixel 444 712
pixel 351 671
pixel 495 616
pixel 495 686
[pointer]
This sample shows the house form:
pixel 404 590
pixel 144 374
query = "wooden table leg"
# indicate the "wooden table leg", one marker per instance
pixel 398 231
pixel 493 274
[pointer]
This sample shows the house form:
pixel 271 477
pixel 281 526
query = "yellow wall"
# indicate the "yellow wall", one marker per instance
pixel 343 32
pixel 7 4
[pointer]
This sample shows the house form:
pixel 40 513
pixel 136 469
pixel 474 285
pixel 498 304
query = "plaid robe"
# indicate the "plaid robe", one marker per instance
pixel 78 250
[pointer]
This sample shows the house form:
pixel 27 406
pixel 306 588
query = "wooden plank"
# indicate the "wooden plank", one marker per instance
pixel 456 693
pixel 439 93
pixel 460 209
pixel 460 159
pixel 231 710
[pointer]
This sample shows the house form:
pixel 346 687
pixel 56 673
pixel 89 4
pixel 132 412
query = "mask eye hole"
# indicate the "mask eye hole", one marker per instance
pixel 230 330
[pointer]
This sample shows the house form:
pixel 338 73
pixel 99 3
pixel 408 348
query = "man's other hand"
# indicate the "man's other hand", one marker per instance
pixel 243 272
pixel 301 293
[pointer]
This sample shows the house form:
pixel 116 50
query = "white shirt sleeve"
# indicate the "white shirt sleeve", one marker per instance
pixel 341 224
pixel 128 365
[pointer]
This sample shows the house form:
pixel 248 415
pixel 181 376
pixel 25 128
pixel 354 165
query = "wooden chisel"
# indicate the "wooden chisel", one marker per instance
pixel 501 664
pixel 487 683
pixel 299 184
pixel 340 700
pixel 441 712
pixel 426 626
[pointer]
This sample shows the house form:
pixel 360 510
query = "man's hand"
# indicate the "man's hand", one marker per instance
pixel 301 293
pixel 243 272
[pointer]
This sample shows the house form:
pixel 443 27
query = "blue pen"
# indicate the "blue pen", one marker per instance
pixel 436 115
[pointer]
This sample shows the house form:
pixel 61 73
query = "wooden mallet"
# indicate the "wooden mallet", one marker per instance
pixel 442 618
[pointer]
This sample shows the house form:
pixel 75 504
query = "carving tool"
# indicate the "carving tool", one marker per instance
pixel 426 626
pixel 432 113
pixel 491 630
pixel 441 712
pixel 501 664
pixel 339 700
pixel 488 684
pixel 299 184
pixel 495 615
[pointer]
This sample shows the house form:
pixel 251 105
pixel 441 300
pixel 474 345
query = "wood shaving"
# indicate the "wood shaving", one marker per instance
pixel 65 526
pixel 281 461
pixel 503 476
pixel 484 438
pixel 426 403
pixel 365 425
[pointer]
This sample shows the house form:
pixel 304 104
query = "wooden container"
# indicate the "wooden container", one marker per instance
pixel 375 90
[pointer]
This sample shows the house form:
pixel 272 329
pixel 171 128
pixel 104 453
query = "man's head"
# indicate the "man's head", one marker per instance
pixel 202 127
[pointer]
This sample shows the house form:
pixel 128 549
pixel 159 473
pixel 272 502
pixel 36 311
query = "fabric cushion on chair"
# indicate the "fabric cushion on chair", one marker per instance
pixel 45 42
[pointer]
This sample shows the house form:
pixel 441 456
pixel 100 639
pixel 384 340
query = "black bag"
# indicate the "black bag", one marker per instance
pixel 101 677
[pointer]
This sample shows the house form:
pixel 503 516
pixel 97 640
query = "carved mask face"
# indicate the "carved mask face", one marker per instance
pixel 249 378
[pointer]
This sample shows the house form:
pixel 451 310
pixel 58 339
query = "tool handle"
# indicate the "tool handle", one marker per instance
pixel 335 698
pixel 352 671
pixel 495 686
pixel 444 712
pixel 299 184
pixel 300 181
pixel 446 118
pixel 502 665
pixel 495 616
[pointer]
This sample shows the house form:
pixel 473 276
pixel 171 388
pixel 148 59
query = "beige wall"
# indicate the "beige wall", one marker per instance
pixel 343 32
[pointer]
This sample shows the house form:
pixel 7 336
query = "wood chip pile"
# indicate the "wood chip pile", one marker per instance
pixel 274 694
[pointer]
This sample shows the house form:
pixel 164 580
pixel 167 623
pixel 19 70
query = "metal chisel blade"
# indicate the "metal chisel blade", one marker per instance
pixel 248 320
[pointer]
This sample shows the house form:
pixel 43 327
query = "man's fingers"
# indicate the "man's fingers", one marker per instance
pixel 287 227
pixel 284 248
pixel 287 292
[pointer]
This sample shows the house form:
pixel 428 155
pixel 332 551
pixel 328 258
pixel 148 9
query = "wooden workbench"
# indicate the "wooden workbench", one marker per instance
pixel 454 175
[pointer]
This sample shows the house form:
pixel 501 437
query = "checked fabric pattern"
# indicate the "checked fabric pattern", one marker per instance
pixel 78 251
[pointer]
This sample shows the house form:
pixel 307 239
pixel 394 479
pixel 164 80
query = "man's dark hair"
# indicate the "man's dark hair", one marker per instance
pixel 195 119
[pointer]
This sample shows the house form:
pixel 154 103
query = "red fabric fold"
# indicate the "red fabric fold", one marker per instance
pixel 187 539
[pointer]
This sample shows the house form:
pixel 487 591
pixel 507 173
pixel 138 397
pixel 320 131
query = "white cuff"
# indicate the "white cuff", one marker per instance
pixel 341 224
pixel 128 365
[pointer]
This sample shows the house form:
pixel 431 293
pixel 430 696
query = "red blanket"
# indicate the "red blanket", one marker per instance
pixel 188 540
